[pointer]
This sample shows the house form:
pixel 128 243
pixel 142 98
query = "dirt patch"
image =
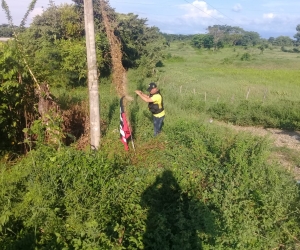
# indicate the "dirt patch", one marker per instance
pixel 280 139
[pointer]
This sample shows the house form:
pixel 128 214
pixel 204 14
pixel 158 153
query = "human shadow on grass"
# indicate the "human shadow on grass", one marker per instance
pixel 175 220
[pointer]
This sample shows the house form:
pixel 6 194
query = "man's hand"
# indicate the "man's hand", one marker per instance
pixel 143 96
pixel 138 92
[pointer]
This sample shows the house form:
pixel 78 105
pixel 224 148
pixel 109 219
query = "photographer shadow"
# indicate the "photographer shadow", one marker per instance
pixel 175 221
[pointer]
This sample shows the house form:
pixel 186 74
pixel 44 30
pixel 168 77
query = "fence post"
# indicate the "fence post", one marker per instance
pixel 247 94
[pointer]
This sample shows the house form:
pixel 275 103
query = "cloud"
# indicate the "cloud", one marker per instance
pixel 269 16
pixel 237 8
pixel 198 10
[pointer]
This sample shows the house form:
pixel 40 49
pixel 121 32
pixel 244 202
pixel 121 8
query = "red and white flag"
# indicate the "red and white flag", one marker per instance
pixel 124 128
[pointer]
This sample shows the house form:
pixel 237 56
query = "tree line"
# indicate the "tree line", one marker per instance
pixel 218 36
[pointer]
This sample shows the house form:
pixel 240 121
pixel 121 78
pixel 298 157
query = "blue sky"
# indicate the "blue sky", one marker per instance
pixel 267 17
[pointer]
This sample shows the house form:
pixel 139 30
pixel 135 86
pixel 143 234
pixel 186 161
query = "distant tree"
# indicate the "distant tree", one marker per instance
pixel 218 33
pixel 208 42
pixel 6 30
pixel 177 37
pixel 271 40
pixel 232 39
pixel 297 36
pixel 197 41
pixel 249 38
pixel 203 41
pixel 283 41
pixel 263 46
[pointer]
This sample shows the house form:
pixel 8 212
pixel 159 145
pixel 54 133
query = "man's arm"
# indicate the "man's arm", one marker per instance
pixel 143 96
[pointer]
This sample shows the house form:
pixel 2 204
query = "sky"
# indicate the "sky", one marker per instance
pixel 269 18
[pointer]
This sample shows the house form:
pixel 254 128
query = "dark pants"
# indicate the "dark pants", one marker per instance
pixel 157 122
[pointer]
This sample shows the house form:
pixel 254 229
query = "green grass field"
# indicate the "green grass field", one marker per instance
pixel 192 81
pixel 223 76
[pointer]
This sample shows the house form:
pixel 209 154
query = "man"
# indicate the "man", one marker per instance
pixel 155 105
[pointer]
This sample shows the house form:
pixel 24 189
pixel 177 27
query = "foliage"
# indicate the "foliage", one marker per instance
pixel 6 30
pixel 55 47
pixel 177 37
pixel 283 114
pixel 17 97
pixel 223 35
pixel 199 191
pixel 218 36
pixel 194 187
pixel 246 57
pixel 249 38
pixel 142 46
pixel 201 40
pixel 56 209
pixel 293 50
pixel 297 35
pixel 283 41
pixel 232 177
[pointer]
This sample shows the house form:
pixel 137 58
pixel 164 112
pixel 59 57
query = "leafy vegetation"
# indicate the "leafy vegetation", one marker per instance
pixel 17 96
pixel 196 186
pixel 198 189
pixel 283 114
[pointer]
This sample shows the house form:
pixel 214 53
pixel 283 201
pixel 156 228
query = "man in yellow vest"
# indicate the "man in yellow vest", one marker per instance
pixel 155 105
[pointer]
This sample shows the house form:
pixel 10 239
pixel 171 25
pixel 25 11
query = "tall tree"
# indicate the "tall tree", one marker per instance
pixel 92 74
pixel 217 34
pixel 249 38
pixel 283 41
pixel 297 36
pixel 271 39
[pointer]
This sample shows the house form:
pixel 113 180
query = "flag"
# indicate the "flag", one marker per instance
pixel 124 128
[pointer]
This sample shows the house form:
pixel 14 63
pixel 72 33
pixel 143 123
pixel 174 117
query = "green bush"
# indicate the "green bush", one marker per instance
pixel 246 57
pixel 221 111
pixel 58 199
pixel 236 185
pixel 227 60
pixel 283 114
pixel 192 103
pixel 194 188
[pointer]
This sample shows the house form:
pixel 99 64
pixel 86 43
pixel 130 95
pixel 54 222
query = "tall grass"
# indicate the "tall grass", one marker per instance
pixel 197 80
pixel 273 74
pixel 195 186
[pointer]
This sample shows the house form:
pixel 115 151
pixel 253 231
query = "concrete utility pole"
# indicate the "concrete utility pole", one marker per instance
pixel 92 74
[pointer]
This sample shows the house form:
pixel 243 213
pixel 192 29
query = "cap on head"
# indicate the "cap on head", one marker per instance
pixel 151 86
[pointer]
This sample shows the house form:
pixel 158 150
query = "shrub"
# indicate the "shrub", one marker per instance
pixel 192 103
pixel 236 185
pixel 226 60
pixel 246 57
pixel 195 188
pixel 283 114
pixel 221 111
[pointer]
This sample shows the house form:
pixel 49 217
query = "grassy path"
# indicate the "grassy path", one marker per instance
pixel 286 145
